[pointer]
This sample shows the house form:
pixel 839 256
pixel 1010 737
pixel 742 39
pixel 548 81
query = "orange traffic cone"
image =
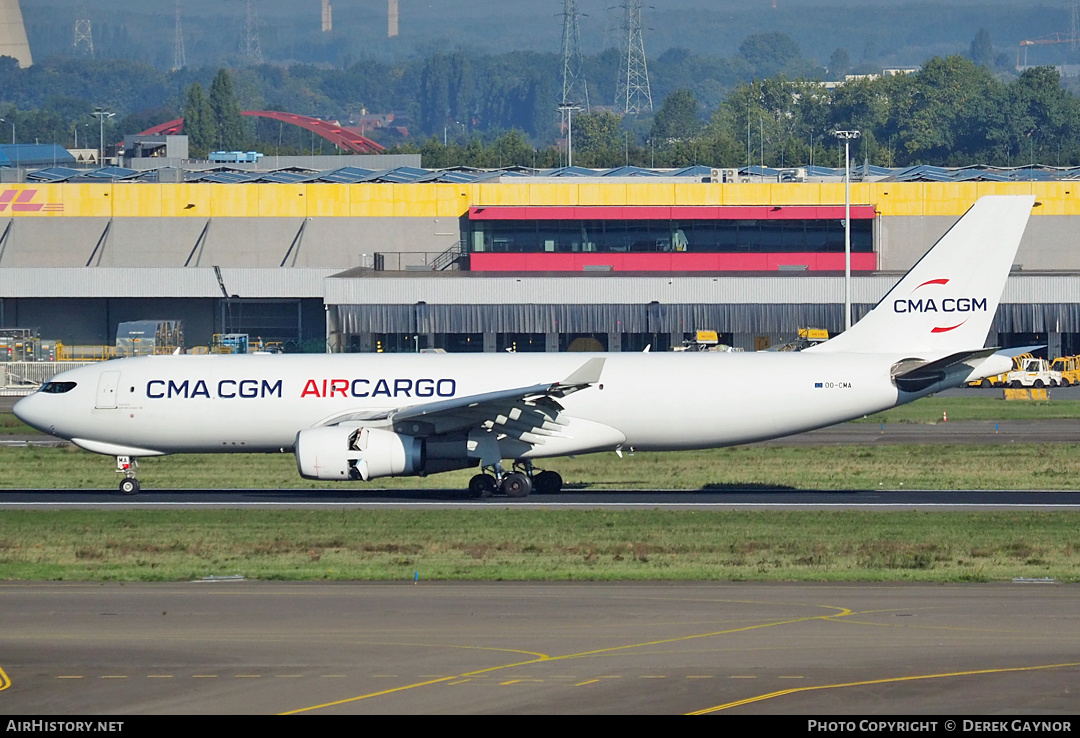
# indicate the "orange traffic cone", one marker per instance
pixel 944 416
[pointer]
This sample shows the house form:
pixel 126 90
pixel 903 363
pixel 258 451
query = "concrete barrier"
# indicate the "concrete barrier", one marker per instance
pixel 1027 394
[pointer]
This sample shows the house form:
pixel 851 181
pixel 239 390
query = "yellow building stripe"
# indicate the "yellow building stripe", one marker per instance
pixel 434 200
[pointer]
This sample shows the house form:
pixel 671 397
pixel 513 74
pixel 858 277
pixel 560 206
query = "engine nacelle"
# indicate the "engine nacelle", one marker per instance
pixel 344 453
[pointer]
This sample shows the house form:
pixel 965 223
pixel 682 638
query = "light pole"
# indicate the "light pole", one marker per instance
pixel 12 124
pixel 569 109
pixel 101 115
pixel 847 137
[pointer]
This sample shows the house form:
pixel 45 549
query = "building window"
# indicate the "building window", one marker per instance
pixel 664 236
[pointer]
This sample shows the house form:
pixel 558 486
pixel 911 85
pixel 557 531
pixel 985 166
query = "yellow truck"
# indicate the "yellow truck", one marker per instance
pixel 1069 366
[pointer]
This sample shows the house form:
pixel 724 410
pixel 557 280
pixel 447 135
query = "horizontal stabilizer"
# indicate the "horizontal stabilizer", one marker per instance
pixel 914 375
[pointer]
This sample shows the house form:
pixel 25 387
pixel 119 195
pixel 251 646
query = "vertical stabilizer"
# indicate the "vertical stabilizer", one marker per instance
pixel 947 301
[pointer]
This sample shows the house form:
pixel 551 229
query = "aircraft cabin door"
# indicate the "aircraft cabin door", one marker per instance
pixel 106 389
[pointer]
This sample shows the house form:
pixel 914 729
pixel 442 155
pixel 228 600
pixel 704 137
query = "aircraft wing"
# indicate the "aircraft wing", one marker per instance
pixel 531 411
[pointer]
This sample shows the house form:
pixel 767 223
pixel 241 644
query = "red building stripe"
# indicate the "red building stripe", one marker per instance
pixel 680 212
pixel 667 262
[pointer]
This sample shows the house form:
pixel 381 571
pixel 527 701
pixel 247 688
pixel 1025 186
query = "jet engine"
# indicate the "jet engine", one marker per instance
pixel 344 453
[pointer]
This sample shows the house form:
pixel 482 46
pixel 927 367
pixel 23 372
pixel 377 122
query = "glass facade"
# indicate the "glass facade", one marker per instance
pixel 660 236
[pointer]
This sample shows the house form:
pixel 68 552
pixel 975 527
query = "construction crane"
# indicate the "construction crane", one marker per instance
pixel 1072 38
pixel 1053 38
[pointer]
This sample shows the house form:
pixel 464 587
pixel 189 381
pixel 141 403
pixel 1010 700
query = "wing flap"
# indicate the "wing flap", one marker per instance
pixel 531 411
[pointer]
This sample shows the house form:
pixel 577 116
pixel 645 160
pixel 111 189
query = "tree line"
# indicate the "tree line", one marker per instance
pixel 766 105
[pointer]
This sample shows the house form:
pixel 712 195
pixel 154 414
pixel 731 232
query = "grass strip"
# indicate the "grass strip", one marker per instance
pixel 939 467
pixel 536 545
pixel 929 410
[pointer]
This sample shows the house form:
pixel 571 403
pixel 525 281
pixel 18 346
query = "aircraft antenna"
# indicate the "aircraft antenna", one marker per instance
pixel 575 89
pixel 632 93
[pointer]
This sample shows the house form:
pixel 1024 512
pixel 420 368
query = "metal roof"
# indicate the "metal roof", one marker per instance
pixel 67 174
pixel 467 175
pixel 190 282
pixel 34 155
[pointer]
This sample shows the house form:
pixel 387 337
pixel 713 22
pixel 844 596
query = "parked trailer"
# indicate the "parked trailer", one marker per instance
pixel 234 157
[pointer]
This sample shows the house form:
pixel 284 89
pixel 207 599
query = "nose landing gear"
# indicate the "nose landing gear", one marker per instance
pixel 127 465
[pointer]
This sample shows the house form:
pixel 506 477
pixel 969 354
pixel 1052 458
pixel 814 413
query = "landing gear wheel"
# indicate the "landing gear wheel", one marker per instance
pixel 482 485
pixel 547 483
pixel 129 486
pixel 516 485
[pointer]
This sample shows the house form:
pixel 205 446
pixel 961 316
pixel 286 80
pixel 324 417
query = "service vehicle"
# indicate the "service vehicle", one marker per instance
pixel 1034 372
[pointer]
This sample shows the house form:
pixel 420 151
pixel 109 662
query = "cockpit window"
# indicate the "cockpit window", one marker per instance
pixel 57 388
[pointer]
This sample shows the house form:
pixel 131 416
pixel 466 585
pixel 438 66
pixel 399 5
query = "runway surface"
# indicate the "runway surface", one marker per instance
pixel 730 648
pixel 430 499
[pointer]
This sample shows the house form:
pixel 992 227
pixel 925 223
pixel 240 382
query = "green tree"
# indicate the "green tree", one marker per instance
pixel 839 64
pixel 769 53
pixel 677 119
pixel 512 149
pixel 599 140
pixel 231 135
pixel 1041 118
pixel 950 111
pixel 982 49
pixel 199 121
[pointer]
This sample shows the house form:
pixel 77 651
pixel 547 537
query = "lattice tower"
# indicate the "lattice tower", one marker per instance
pixel 84 37
pixel 575 90
pixel 632 93
pixel 179 56
pixel 1074 27
pixel 250 47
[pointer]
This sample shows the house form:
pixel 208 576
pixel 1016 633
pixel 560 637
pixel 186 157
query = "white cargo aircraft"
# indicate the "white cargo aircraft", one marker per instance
pixel 365 416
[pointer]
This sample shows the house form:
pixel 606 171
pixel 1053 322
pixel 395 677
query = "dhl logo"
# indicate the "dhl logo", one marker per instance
pixel 22 201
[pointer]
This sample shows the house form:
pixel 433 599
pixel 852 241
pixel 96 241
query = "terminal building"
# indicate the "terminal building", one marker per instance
pixel 404 259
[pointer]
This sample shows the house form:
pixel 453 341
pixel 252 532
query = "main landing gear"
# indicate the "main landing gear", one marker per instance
pixel 127 465
pixel 519 483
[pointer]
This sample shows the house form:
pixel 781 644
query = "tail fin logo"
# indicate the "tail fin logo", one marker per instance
pixel 939 305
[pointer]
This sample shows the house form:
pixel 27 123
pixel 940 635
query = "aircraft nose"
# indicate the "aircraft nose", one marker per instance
pixel 30 411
